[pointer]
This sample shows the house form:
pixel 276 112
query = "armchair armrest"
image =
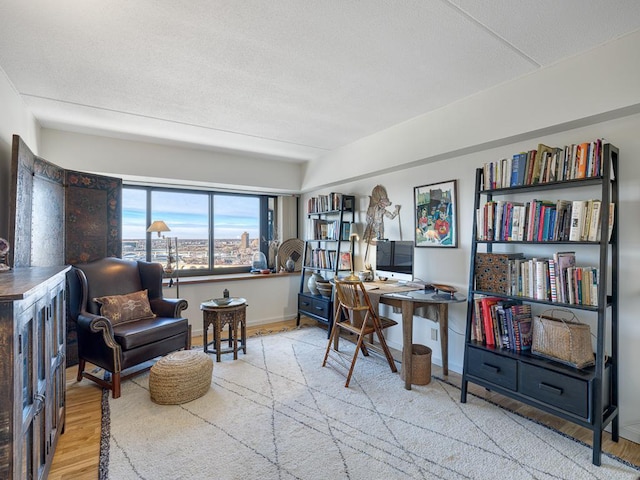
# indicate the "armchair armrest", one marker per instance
pixel 168 307
pixel 96 342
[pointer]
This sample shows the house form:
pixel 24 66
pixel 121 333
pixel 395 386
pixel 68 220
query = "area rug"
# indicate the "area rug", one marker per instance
pixel 275 413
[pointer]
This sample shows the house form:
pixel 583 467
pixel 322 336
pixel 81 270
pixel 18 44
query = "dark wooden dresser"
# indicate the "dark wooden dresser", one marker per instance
pixel 32 369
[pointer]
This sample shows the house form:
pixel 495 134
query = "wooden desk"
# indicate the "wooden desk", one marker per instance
pixel 437 305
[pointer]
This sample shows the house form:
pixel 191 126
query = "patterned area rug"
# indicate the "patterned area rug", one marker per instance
pixel 275 413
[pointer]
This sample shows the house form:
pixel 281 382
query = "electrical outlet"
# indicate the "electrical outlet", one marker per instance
pixel 434 334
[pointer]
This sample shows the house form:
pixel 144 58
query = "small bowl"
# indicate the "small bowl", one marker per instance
pixel 264 271
pixel 383 279
pixel 223 301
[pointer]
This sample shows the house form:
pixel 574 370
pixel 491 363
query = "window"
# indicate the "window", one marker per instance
pixel 210 232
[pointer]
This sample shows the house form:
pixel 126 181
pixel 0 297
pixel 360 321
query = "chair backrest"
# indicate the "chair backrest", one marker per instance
pixel 108 276
pixel 353 301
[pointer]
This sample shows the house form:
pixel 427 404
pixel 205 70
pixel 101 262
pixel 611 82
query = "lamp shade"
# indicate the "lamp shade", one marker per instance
pixel 158 226
pixel 353 230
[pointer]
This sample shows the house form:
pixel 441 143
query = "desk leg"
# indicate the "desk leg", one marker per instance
pixel 407 342
pixel 443 321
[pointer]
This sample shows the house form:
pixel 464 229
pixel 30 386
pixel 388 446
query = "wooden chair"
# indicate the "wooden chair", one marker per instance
pixel 355 314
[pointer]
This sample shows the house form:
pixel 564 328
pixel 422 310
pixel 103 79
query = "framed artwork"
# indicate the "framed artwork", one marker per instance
pixel 436 215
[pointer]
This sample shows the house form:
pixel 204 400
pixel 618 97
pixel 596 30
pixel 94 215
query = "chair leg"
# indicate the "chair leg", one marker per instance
pixel 81 365
pixel 115 385
pixel 359 346
pixel 334 336
pixel 188 344
pixel 385 349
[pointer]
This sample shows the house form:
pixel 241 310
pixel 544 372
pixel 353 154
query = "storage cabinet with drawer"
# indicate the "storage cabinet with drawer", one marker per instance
pixel 588 396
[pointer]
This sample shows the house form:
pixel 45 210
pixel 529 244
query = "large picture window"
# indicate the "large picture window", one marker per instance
pixel 213 232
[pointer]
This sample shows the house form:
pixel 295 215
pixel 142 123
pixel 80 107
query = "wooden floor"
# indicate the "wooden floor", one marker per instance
pixel 78 450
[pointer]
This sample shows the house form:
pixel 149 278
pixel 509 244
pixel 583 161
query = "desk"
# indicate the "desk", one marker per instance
pixel 437 305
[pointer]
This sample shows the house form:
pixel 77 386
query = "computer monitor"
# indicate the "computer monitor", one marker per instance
pixel 394 260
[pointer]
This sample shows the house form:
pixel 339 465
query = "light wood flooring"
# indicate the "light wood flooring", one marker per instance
pixel 78 450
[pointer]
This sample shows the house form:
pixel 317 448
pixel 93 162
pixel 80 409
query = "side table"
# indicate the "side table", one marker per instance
pixel 232 314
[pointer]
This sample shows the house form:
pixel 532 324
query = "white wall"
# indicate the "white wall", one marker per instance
pixel 270 298
pixel 177 166
pixel 14 119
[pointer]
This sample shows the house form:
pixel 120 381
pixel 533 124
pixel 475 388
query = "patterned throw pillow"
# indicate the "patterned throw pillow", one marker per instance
pixel 125 308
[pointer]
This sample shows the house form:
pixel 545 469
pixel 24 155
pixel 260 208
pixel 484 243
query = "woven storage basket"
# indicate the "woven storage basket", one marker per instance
pixel 420 365
pixel 180 377
pixel 565 340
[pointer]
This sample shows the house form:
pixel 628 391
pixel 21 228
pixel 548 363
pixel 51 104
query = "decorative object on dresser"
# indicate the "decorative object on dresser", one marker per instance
pixel 324 252
pixel 500 330
pixel 32 378
pixel 4 250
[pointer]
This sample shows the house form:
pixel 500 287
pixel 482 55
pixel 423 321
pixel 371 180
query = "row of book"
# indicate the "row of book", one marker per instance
pixel 502 324
pixel 323 258
pixel 542 221
pixel 325 203
pixel 556 279
pixel 320 229
pixel 545 164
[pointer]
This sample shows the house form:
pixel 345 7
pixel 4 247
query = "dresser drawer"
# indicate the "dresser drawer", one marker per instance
pixel 315 306
pixel 561 391
pixel 493 368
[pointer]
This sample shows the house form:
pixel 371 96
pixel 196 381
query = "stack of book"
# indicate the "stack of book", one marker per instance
pixel 502 324
pixel 545 164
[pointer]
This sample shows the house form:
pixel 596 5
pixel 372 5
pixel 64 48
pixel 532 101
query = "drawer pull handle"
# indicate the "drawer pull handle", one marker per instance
pixel 319 308
pixel 550 388
pixel 306 304
pixel 493 368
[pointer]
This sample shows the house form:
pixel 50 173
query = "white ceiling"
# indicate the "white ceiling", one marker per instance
pixel 289 79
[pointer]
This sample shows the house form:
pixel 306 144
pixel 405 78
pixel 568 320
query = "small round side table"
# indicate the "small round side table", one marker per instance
pixel 232 314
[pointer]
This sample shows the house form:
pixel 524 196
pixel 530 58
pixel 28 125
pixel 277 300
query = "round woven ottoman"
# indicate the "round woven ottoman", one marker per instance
pixel 180 377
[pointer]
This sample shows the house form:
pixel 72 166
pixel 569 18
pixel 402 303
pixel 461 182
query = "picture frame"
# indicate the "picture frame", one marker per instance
pixel 436 215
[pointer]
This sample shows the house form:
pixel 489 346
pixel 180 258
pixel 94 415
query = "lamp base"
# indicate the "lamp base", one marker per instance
pixel 351 278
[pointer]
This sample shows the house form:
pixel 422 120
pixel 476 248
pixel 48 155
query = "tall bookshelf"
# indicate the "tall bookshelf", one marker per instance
pixel 327 234
pixel 587 397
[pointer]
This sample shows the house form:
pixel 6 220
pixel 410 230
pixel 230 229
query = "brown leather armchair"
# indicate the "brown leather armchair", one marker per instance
pixel 118 347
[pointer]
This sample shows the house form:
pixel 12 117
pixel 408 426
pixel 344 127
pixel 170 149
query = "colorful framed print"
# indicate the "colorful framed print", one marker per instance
pixel 436 215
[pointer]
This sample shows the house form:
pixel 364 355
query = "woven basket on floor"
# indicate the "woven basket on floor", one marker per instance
pixel 180 377
pixel 420 365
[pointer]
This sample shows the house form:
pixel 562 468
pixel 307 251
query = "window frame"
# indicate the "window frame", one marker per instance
pixel 266 224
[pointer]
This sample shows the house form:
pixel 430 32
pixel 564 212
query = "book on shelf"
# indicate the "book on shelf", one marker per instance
pixel 345 261
pixel 545 164
pixel 487 319
pixel 578 213
pixel 493 271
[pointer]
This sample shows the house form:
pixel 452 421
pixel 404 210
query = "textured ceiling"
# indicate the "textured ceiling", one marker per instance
pixel 290 79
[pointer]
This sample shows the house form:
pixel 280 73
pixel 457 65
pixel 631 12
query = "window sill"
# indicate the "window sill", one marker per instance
pixel 228 278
